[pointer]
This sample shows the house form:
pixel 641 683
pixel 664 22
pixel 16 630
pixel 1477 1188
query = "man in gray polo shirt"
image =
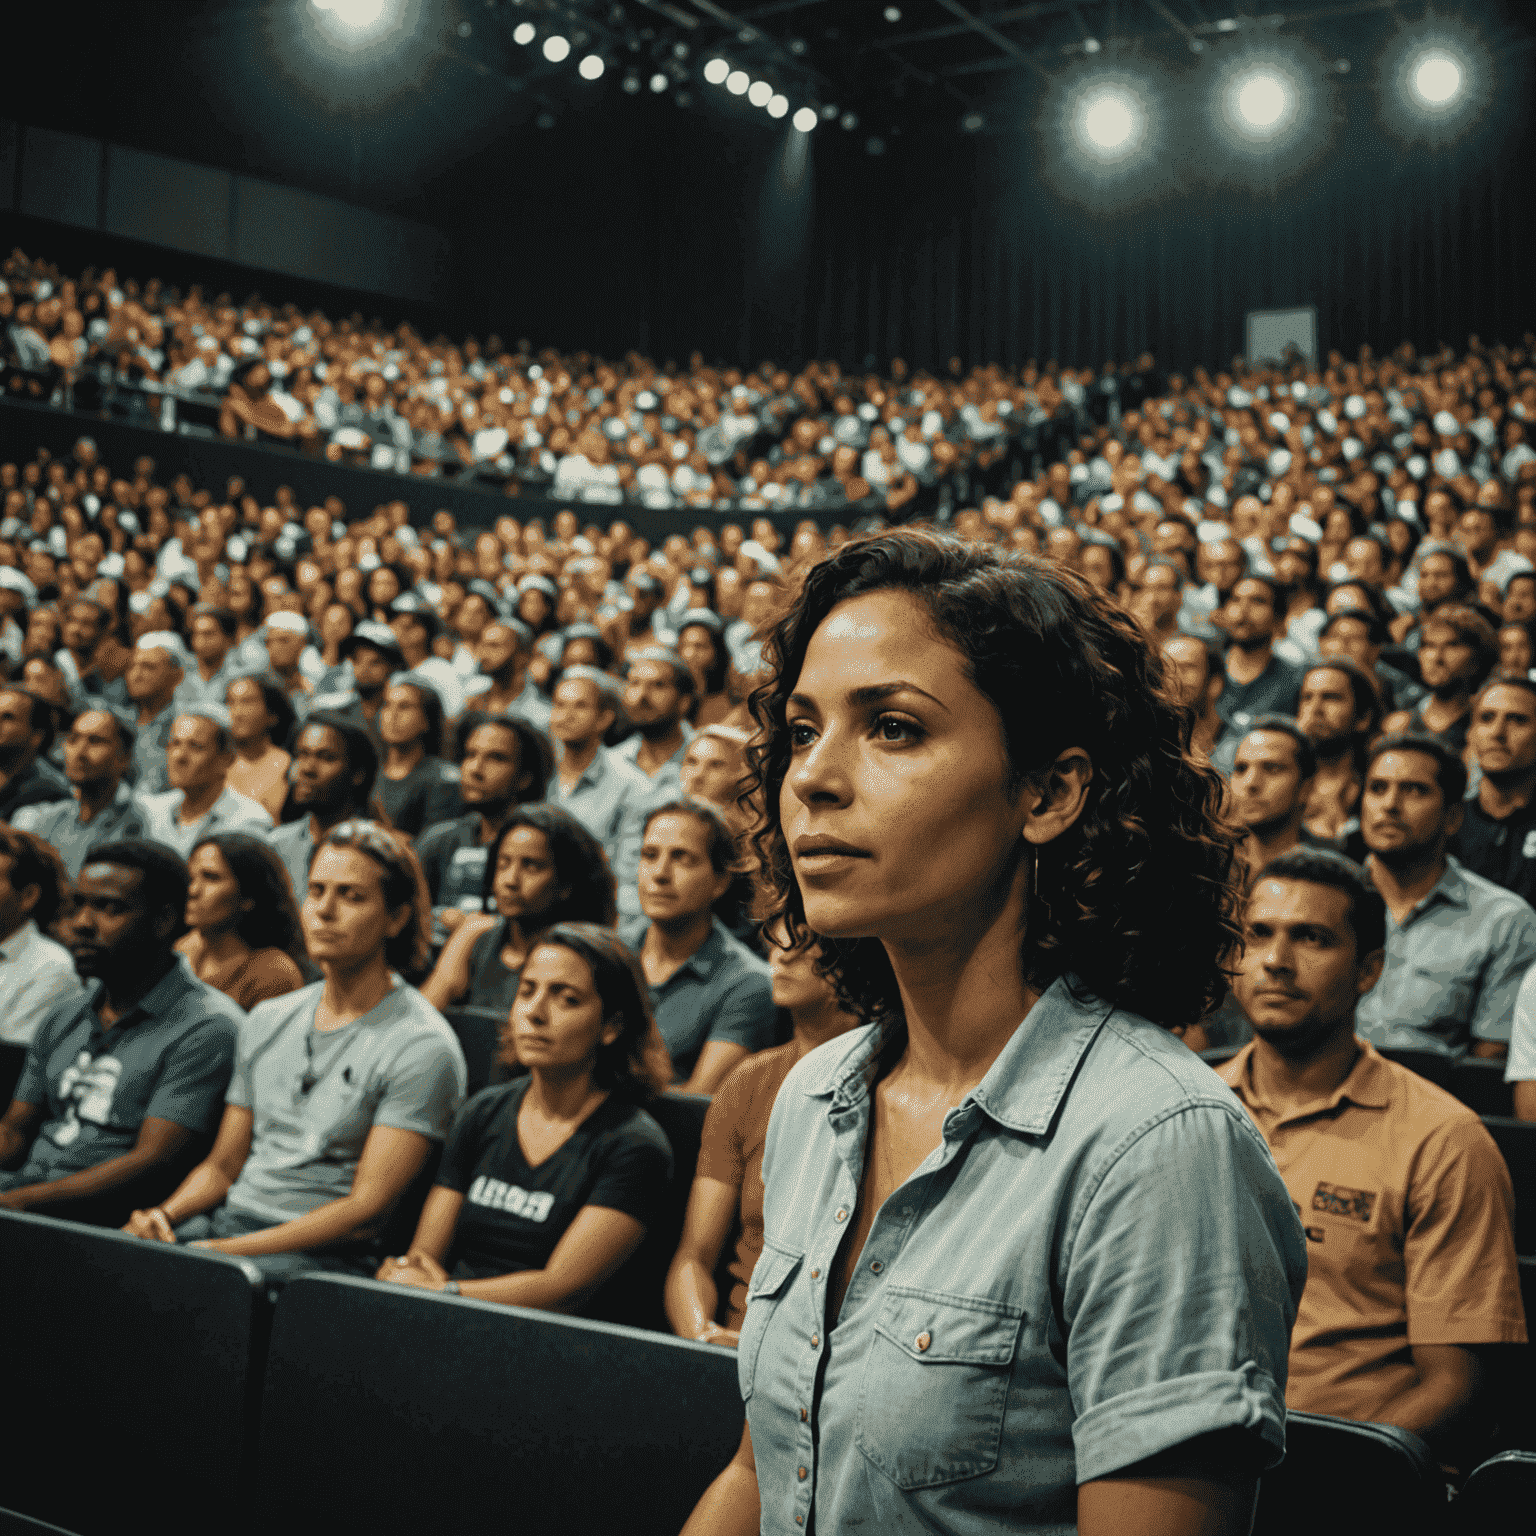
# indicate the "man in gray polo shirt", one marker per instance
pixel 120 1084
pixel 712 997
pixel 1458 946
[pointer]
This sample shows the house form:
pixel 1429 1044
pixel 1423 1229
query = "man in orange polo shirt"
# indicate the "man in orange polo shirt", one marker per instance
pixel 1406 1202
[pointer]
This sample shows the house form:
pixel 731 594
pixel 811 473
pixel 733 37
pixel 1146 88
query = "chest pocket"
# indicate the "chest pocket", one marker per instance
pixel 935 1386
pixel 767 1288
pixel 1442 994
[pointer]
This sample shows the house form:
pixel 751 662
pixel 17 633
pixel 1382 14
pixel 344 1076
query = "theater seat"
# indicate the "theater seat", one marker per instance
pixel 13 1524
pixel 1341 1478
pixel 114 1348
pixel 389 1409
pixel 479 1031
pixel 1517 1141
pixel 1434 1065
pixel 1499 1499
pixel 1481 1087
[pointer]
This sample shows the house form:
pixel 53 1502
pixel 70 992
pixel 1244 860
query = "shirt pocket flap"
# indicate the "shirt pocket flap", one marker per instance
pixel 937 1327
pixel 773 1269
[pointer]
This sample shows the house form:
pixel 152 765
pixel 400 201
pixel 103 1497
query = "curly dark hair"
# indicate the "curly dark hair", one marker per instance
pixel 1135 901
pixel 581 866
pixel 273 922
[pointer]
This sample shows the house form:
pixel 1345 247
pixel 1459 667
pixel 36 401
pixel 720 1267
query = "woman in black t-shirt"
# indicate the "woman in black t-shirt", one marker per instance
pixel 415 786
pixel 548 1183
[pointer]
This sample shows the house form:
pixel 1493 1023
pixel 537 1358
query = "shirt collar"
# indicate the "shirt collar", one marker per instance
pixel 706 959
pixel 1023 1088
pixel 155 1003
pixel 1369 1084
pixel 1450 887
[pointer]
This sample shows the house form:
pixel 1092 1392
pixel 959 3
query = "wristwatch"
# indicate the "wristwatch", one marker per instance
pixel 451 1288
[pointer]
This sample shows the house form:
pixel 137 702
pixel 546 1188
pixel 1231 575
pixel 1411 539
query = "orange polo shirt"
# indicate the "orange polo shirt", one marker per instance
pixel 1409 1216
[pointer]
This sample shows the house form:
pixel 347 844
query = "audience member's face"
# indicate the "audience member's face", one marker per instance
pixel 712 769
pixel 1403 815
pixel 1251 612
pixel 151 674
pixel 1515 649
pixel 346 921
pixel 319 773
pixel 82 629
pixel 1098 565
pixel 1503 730
pixel 1267 786
pixel 1300 976
pixel 526 882
pixel 1519 599
pixel 557 1020
pixel 1362 559
pixel 249 718
pixel 284 647
pixel 1187 668
pixel 1437 580
pixel 651 694
pixel 1326 708
pixel 370 669
pixel 796 983
pixel 1220 563
pixel 17 737
pixel 193 759
pixel 214 900
pixel 402 720
pixel 577 714
pixel 896 807
pixel 107 928
pixel 15 906
pixel 93 750
pixel 697 648
pixel 497 649
pixel 1162 588
pixel 490 774
pixel 677 880
pixel 1445 659
pixel 209 642
pixel 1352 638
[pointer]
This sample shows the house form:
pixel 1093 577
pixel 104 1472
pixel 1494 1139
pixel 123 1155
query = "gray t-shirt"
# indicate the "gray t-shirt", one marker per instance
pixel 315 1096
pixel 169 1058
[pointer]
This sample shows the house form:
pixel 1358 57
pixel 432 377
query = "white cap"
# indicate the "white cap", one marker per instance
pixel 170 642
pixel 294 623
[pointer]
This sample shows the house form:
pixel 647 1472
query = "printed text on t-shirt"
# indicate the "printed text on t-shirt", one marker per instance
pixel 508 1197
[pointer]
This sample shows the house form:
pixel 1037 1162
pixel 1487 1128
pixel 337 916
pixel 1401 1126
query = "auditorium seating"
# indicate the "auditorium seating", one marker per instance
pixel 1480 1086
pixel 115 1349
pixel 1499 1499
pixel 389 1409
pixel 479 1031
pixel 1517 1141
pixel 1434 1065
pixel 1340 1478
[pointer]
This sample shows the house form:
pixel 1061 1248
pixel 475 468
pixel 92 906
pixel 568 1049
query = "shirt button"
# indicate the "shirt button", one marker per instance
pixel 799 1519
pixel 803 1415
pixel 842 1214
pixel 815 1340
pixel 815 1274
pixel 802 1474
pixel 922 1341
pixel 876 1266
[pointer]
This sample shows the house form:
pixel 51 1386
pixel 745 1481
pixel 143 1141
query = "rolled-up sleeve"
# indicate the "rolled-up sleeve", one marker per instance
pixel 1185 1269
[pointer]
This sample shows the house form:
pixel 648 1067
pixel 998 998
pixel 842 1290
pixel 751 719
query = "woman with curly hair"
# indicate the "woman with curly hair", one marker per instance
pixel 550 1182
pixel 1026 1263
pixel 243 924
pixel 543 868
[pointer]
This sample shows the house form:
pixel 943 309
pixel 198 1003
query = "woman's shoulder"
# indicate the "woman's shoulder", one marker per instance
pixel 622 1122
pixel 268 974
pixel 489 1104
pixel 277 1013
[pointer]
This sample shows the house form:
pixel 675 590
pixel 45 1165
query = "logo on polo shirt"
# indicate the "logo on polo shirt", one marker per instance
pixel 1351 1204
pixel 86 1090
pixel 1528 848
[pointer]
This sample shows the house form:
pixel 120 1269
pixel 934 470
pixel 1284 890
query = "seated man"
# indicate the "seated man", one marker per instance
pixel 1457 945
pixel 1497 836
pixel 334 767
pixel 713 998
pixel 658 693
pixel 200 801
pixel 339 1090
pixel 153 679
pixel 36 975
pixel 1271 779
pixel 1406 1202
pixel 123 1079
pixel 98 753
pixel 26 733
pixel 1339 711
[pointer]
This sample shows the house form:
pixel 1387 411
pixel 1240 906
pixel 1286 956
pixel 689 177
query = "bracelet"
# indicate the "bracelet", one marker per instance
pixel 451 1288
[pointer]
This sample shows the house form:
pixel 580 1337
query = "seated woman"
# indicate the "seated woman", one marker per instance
pixel 544 868
pixel 416 788
pixel 339 1089
pixel 245 937
pixel 261 720
pixel 548 1183
pixel 701 643
pixel 726 1202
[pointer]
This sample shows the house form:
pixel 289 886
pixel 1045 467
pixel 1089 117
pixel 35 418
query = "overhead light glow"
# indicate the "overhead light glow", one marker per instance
pixel 659 82
pixel 778 106
pixel 591 67
pixel 1108 122
pixel 524 33
pixel 1437 80
pixel 631 83
pixel 737 82
pixel 556 49
pixel 1262 100
pixel 352 21
pixel 716 71
pixel 760 93
pixel 804 119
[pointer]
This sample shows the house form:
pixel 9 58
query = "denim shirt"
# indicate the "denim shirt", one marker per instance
pixel 1097 1263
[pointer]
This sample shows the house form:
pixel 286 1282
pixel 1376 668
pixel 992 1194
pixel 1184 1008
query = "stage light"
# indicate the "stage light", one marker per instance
pixel 760 93
pixel 659 82
pixel 778 106
pixel 359 15
pixel 591 67
pixel 716 71
pixel 1107 123
pixel 1437 80
pixel 892 14
pixel 524 33
pixel 804 119
pixel 849 120
pixel 631 83
pixel 973 122
pixel 556 49
pixel 1264 100
pixel 737 82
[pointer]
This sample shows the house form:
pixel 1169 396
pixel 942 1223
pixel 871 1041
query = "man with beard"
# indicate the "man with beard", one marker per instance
pixel 1272 776
pixel 504 686
pixel 1406 1202
pixel 1258 681
pixel 123 1081
pixel 1457 945
pixel 375 655
pixel 657 694
pixel 1458 649
pixel 1497 839
pixel 1359 634
pixel 335 762
pixel 26 733
pixel 1339 711
pixel 1194 673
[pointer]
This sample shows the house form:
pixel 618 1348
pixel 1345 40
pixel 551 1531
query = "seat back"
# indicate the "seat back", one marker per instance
pixel 443 1414
pixel 1499 1499
pixel 134 1345
pixel 1517 1141
pixel 1435 1065
pixel 479 1031
pixel 1481 1087
pixel 12 1059
pixel 13 1524
pixel 1340 1478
